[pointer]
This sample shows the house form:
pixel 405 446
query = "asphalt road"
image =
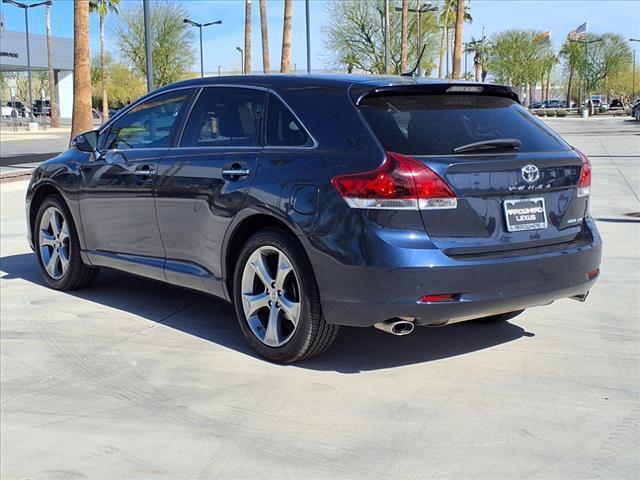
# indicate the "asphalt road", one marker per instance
pixel 135 379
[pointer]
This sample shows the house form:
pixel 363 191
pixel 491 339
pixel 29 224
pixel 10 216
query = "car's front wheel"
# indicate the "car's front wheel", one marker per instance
pixel 58 248
pixel 277 300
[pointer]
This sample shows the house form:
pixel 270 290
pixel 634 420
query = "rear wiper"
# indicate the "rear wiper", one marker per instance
pixel 498 143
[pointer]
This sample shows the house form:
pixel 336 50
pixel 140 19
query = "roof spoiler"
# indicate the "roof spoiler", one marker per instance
pixel 360 92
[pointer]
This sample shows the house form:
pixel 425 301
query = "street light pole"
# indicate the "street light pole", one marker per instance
pixel 306 8
pixel 147 44
pixel 425 7
pixel 26 8
pixel 586 63
pixel 241 58
pixel 199 27
pixel 633 80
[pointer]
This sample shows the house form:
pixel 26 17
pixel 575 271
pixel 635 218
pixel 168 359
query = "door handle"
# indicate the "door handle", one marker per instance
pixel 236 171
pixel 145 171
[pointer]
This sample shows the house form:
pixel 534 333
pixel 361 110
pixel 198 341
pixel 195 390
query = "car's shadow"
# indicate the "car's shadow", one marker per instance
pixel 355 350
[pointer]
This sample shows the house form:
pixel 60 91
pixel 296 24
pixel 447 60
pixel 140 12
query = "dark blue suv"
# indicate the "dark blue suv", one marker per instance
pixel 317 201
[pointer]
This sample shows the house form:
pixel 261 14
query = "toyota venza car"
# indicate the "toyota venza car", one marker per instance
pixel 312 202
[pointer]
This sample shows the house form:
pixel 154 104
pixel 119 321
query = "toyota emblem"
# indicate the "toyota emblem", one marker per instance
pixel 530 173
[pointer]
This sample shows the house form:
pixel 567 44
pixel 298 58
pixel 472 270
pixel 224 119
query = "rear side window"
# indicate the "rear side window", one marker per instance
pixel 225 117
pixel 436 124
pixel 282 127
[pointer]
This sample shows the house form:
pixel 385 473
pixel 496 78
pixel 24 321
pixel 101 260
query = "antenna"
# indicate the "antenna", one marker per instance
pixel 412 73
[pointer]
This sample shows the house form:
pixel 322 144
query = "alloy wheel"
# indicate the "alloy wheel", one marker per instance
pixel 54 243
pixel 271 296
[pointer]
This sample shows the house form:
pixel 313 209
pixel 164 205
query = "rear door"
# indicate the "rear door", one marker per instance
pixel 508 198
pixel 203 182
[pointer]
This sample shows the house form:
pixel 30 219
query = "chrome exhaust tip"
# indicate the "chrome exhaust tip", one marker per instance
pixel 580 298
pixel 396 326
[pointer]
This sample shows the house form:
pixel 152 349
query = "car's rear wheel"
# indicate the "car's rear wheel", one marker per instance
pixel 501 317
pixel 58 248
pixel 277 300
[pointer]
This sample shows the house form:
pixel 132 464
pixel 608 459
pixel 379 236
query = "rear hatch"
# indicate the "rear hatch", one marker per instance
pixel 515 180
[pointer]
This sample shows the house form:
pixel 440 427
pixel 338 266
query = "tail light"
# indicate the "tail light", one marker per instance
pixel 584 185
pixel 401 182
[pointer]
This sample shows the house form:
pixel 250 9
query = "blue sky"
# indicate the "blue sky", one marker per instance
pixel 558 16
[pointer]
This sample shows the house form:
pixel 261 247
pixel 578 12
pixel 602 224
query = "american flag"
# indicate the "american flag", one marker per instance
pixel 578 33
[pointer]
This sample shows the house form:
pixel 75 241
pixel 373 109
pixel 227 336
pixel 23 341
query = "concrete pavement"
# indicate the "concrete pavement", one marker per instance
pixel 135 379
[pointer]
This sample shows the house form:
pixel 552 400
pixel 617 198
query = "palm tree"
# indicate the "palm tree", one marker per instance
pixel 286 37
pixel 103 7
pixel 457 46
pixel 247 37
pixel 82 119
pixel 476 47
pixel 266 68
pixel 404 46
pixel 448 19
pixel 53 95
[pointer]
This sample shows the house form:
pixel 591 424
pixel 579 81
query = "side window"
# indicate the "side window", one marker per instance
pixel 282 127
pixel 225 117
pixel 149 124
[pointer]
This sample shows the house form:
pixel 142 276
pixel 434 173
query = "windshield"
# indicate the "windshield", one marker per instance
pixel 437 124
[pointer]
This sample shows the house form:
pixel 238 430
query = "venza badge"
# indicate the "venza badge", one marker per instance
pixel 530 173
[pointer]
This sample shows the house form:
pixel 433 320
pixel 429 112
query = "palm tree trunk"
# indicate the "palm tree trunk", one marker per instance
pixel 247 37
pixel 457 46
pixel 542 87
pixel 82 120
pixel 546 95
pixel 266 68
pixel 103 79
pixel 53 94
pixel 404 46
pixel 285 60
pixel 443 38
pixel 569 85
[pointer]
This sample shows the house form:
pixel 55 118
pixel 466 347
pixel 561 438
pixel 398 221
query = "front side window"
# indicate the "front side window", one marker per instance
pixel 282 127
pixel 149 124
pixel 225 117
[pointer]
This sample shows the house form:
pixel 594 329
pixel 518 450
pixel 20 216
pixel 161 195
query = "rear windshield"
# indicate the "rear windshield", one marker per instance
pixel 436 124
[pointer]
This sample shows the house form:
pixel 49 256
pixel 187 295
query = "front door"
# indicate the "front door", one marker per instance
pixel 203 183
pixel 117 201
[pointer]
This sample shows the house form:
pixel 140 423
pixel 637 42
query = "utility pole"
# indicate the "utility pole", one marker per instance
pixel 26 7
pixel 199 26
pixel 425 7
pixel 386 37
pixel 147 44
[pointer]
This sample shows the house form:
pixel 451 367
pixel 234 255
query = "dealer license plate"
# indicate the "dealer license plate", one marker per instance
pixel 525 214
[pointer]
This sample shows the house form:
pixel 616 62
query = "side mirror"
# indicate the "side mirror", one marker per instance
pixel 86 142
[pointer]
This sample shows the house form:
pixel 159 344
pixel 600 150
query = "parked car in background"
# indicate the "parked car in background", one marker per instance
pixel 635 109
pixel 318 201
pixel 616 105
pixel 42 107
pixel 18 107
pixel 554 103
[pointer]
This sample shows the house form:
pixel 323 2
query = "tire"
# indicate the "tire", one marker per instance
pixel 501 317
pixel 264 254
pixel 58 249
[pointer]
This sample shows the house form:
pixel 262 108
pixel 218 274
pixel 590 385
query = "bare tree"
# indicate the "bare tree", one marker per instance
pixel 82 119
pixel 53 94
pixel 266 68
pixel 247 37
pixel 103 7
pixel 285 61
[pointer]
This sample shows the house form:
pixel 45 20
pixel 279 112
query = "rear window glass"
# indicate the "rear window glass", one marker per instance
pixel 436 124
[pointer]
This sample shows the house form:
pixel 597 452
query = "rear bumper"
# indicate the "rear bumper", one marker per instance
pixel 357 295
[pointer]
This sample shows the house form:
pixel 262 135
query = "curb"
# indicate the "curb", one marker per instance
pixel 15 176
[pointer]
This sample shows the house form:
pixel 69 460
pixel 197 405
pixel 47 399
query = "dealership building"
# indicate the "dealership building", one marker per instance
pixel 13 58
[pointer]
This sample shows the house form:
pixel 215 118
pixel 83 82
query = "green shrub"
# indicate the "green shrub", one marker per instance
pixel 551 112
pixel 561 113
pixel 539 112
pixel 600 110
